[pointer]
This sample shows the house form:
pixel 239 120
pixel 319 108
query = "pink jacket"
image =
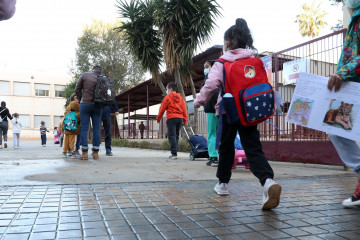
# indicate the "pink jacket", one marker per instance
pixel 215 78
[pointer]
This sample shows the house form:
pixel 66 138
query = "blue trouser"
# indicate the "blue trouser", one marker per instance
pixel 212 124
pixel 174 126
pixel 106 119
pixel 348 151
pixel 88 111
pixel 43 139
pixel 78 142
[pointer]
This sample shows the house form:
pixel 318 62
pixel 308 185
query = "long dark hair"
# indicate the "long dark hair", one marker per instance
pixel 239 35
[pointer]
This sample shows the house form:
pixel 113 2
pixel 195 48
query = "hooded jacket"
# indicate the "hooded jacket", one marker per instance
pixel 215 77
pixel 73 106
pixel 175 107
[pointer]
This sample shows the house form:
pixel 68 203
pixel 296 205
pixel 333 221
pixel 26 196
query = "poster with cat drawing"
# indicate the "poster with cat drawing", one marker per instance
pixel 314 106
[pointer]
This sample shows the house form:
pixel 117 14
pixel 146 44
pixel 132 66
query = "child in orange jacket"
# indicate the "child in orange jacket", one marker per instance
pixel 176 115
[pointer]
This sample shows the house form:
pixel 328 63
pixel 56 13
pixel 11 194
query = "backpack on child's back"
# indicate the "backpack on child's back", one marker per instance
pixel 70 121
pixel 248 97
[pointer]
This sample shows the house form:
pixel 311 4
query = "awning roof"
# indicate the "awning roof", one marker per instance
pixel 137 94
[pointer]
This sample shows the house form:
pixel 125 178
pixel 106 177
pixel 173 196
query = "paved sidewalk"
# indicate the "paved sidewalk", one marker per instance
pixel 141 194
pixel 310 209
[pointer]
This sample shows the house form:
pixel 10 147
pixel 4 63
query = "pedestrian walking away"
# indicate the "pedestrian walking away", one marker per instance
pixel 4 124
pixel 84 90
pixel 348 69
pixel 16 127
pixel 43 130
pixel 71 126
pixel 106 120
pixel 238 45
pixel 212 122
pixel 60 130
pixel 176 115
pixel 142 128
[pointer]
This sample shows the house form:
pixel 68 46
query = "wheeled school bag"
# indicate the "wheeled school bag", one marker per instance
pixel 198 144
pixel 104 90
pixel 248 97
pixel 70 121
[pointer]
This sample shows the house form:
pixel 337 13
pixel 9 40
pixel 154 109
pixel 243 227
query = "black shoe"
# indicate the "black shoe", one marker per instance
pixel 213 161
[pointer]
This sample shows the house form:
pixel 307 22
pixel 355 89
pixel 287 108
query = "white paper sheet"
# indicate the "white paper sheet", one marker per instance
pixel 314 106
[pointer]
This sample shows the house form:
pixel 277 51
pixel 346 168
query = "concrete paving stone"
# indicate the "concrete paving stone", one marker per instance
pixel 310 238
pixel 350 234
pixel 166 227
pixel 42 235
pixel 331 236
pixel 19 229
pixel 89 225
pixel 69 226
pixel 295 232
pixel 22 222
pixel 253 235
pixel 174 235
pixel 149 236
pixel 217 231
pixel 125 237
pixel 120 230
pixel 16 236
pixel 4 223
pixel 45 227
pixel 143 228
pixel 69 234
pixel 95 232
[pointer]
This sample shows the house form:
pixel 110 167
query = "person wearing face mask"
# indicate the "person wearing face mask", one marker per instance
pixel 348 69
pixel 176 115
pixel 212 121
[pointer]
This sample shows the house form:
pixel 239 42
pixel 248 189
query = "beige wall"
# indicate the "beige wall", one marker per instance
pixel 32 105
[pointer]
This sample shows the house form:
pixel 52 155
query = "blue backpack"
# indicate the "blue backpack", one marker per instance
pixel 70 121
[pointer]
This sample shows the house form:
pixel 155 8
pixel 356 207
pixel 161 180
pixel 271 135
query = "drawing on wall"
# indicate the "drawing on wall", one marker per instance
pixel 340 114
pixel 300 111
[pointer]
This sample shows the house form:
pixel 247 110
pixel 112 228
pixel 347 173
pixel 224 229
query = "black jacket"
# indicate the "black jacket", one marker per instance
pixel 210 105
pixel 5 114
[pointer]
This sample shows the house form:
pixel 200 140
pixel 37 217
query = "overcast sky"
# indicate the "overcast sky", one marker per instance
pixel 42 34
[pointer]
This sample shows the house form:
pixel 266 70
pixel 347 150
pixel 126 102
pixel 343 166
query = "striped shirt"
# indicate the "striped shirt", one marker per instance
pixel 43 130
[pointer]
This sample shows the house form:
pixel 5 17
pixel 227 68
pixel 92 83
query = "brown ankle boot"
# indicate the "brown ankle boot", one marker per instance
pixel 84 155
pixel 95 155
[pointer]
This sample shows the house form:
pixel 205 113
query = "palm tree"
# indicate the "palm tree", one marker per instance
pixel 179 25
pixel 311 20
pixel 141 36
pixel 184 25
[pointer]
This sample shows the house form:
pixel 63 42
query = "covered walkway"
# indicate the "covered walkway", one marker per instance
pixel 147 94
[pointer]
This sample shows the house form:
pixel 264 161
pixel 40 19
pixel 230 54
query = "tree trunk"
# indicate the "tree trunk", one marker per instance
pixel 196 110
pixel 179 84
pixel 162 87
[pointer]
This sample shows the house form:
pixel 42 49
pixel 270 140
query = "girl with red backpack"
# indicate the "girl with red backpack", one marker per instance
pixel 238 45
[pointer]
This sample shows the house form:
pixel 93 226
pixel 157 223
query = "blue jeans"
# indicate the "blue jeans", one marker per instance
pixel 43 139
pixel 106 119
pixel 174 126
pixel 348 151
pixel 88 111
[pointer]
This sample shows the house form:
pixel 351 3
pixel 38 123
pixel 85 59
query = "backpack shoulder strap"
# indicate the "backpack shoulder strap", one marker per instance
pixel 222 61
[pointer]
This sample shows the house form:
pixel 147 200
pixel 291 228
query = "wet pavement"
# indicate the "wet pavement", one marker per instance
pixel 186 208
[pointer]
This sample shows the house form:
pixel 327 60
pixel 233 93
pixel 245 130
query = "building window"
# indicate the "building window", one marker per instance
pixel 39 118
pixel 25 120
pixel 56 121
pixel 4 88
pixel 21 89
pixel 42 90
pixel 59 91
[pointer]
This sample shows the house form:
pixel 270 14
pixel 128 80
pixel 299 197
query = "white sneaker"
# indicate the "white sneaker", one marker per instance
pixel 271 194
pixel 221 189
pixel 1 147
pixel 173 156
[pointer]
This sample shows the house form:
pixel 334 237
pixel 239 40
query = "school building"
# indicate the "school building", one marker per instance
pixel 36 96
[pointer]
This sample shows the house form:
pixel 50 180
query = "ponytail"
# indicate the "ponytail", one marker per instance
pixel 239 35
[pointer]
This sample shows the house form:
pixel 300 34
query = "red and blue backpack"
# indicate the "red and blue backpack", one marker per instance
pixel 248 97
